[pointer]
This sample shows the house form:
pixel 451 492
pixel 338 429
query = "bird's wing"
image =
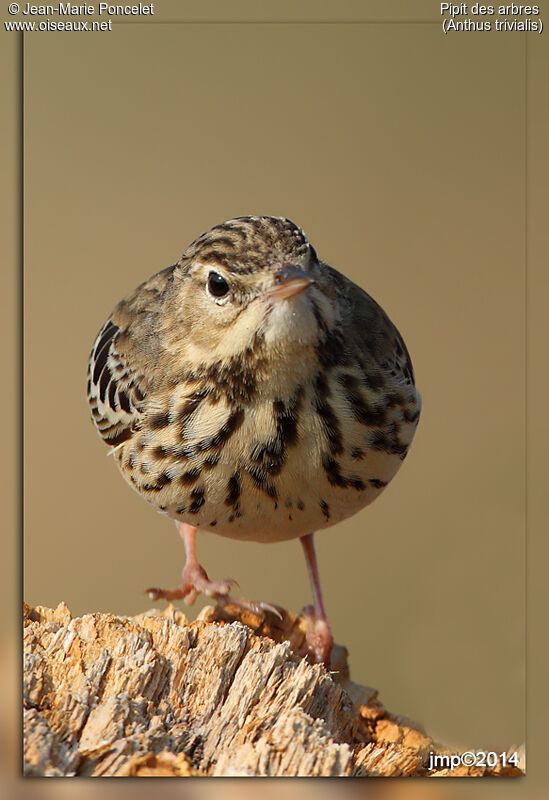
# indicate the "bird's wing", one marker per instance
pixel 372 331
pixel 121 366
pixel 391 351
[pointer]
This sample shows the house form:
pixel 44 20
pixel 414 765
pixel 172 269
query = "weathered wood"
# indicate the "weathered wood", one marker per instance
pixel 224 695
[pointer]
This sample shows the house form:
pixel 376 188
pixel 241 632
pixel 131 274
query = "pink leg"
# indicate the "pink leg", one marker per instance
pixel 319 641
pixel 195 580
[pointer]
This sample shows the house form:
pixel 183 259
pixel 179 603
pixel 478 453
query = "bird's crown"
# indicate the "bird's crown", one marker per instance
pixel 249 244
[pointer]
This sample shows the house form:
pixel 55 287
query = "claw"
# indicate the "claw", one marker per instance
pixel 247 605
pixel 155 593
pixel 271 609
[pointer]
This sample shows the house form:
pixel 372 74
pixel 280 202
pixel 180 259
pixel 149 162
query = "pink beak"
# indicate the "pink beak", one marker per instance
pixel 289 282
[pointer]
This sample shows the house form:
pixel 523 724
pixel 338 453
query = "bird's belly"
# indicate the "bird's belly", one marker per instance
pixel 306 501
pixel 273 483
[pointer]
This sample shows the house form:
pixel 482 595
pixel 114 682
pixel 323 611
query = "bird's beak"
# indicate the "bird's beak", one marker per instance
pixel 288 282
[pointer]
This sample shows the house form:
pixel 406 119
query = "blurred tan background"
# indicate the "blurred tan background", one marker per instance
pixel 401 153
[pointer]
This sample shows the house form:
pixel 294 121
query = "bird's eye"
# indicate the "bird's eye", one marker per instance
pixel 217 285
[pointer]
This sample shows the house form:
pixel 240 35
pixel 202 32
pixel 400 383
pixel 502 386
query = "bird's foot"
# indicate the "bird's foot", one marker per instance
pixel 319 641
pixel 195 581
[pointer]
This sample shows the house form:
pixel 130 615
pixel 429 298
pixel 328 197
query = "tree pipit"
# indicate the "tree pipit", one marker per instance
pixel 253 391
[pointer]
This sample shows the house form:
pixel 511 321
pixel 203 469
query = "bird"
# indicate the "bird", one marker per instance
pixel 253 391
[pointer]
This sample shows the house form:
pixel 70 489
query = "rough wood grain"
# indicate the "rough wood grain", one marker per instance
pixel 155 695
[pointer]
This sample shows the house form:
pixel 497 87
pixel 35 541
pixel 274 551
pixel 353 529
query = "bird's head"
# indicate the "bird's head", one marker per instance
pixel 250 283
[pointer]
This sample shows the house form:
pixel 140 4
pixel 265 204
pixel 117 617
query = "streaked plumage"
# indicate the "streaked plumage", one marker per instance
pixel 278 408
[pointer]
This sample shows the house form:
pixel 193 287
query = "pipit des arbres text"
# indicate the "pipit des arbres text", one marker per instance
pixel 253 391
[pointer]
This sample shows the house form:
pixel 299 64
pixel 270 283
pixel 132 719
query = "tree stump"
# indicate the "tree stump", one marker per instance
pixel 155 695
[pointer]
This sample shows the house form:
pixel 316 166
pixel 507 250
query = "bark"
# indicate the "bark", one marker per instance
pixel 155 695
